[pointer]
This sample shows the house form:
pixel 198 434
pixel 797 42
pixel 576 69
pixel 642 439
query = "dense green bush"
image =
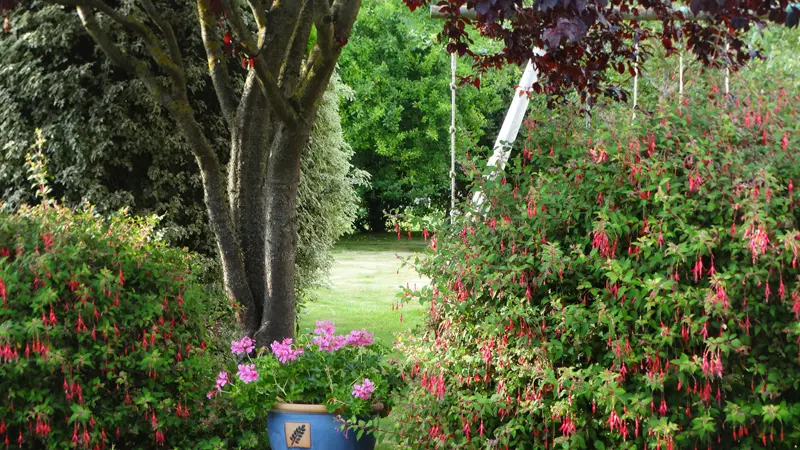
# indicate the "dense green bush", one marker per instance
pixel 102 333
pixel 630 286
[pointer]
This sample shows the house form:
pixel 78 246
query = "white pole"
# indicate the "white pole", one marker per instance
pixel 452 133
pixel 680 77
pixel 727 72
pixel 514 116
pixel 635 80
pixel 512 122
pixel 588 113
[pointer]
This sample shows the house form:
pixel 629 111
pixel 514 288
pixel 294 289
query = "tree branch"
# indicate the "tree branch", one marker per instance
pixel 177 103
pixel 241 30
pixel 259 12
pixel 344 14
pixel 269 86
pixel 117 56
pixel 217 66
pixel 151 41
pixel 166 30
pixel 323 21
pixel 293 58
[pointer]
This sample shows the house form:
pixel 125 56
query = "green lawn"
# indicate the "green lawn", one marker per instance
pixel 365 282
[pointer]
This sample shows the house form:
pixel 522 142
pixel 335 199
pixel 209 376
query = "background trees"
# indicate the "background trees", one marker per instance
pixel 398 120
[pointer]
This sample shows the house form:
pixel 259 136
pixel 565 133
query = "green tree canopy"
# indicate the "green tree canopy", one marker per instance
pixel 399 120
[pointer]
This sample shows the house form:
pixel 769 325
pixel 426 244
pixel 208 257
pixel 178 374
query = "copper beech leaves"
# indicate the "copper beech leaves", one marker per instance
pixel 585 38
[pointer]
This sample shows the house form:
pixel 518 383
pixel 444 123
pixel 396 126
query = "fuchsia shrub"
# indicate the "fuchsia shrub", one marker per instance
pixel 632 288
pixel 101 334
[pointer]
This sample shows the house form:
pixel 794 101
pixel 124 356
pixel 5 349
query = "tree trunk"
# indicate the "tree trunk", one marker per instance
pixel 217 203
pixel 283 180
pixel 252 133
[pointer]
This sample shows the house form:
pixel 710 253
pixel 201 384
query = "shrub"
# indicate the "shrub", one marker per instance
pixel 102 338
pixel 635 286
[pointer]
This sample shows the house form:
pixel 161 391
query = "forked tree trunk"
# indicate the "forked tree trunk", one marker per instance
pixel 254 214
pixel 263 185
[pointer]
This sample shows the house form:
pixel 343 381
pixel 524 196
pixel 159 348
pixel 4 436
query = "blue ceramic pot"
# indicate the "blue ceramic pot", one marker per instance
pixel 311 426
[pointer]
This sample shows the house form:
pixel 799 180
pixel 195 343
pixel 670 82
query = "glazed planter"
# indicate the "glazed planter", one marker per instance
pixel 311 426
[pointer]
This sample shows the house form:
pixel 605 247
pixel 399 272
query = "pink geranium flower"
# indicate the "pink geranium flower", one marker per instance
pixel 247 373
pixel 364 390
pixel 244 345
pixel 325 328
pixel 222 380
pixel 359 338
pixel 284 351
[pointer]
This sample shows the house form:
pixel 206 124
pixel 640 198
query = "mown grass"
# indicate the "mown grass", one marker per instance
pixel 365 282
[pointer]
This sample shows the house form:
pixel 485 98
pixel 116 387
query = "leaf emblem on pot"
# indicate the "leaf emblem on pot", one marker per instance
pixel 298 434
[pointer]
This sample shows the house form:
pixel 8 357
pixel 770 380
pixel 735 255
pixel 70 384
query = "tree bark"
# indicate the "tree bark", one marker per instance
pixel 283 181
pixel 233 268
pixel 247 169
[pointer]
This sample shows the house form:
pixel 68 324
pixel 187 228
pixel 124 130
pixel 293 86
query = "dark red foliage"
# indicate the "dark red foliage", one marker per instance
pixel 582 39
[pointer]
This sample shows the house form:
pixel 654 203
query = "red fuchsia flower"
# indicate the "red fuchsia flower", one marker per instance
pixel 598 156
pixel 364 389
pixel 704 331
pixel 721 295
pixel 567 427
pixel 243 346
pixel 3 292
pixel 600 241
pixel 784 142
pixel 614 421
pixel 662 409
pixel 695 181
pixel 759 241
pixel 160 438
pixel 796 305
pixel 284 352
pixel 247 373
pixel 698 270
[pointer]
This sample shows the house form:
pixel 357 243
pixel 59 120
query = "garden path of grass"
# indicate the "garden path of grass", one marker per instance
pixel 365 282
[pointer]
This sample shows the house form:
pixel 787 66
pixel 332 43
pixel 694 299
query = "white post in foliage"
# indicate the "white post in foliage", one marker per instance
pixel 452 133
pixel 512 122
pixel 635 80
pixel 727 72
